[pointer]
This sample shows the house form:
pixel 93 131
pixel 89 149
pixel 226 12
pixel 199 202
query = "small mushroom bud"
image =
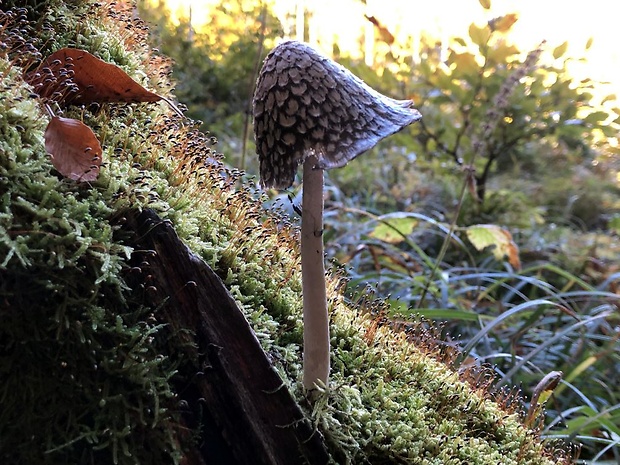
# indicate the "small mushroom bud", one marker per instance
pixel 309 109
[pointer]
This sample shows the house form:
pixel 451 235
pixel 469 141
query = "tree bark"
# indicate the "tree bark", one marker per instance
pixel 247 415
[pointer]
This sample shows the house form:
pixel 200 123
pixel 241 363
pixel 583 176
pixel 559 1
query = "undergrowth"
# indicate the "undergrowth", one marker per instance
pixel 86 370
pixel 524 323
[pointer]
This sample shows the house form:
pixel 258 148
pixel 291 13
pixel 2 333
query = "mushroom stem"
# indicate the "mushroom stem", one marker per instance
pixel 316 318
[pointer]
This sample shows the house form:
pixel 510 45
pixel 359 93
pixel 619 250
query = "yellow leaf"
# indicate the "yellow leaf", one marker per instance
pixel 394 230
pixel 479 35
pixel 486 235
pixel 486 4
pixel 610 98
pixel 501 52
pixel 465 63
pixel 560 50
pixel 504 23
pixel 589 43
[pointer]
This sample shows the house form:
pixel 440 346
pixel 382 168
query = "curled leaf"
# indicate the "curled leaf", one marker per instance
pixel 75 150
pixel 609 98
pixel 486 235
pixel 384 32
pixel 472 183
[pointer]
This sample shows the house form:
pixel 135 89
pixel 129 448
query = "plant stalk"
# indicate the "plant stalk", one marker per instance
pixel 316 318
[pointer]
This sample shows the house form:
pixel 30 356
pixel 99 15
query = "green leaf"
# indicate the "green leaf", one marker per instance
pixel 446 314
pixel 486 4
pixel 596 117
pixel 465 63
pixel 394 230
pixel 560 50
pixel 486 235
pixel 610 131
pixel 479 35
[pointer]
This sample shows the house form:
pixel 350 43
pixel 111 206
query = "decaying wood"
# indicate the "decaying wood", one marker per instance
pixel 247 415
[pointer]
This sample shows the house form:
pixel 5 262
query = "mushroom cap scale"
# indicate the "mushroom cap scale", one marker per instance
pixel 307 104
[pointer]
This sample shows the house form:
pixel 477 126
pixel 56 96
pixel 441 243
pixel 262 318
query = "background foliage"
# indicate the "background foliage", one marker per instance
pixel 216 68
pixel 498 215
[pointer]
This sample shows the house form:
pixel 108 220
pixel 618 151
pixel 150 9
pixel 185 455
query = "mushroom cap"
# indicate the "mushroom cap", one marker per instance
pixel 307 104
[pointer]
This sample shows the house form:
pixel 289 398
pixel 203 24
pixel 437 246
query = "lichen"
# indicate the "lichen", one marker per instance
pixel 86 370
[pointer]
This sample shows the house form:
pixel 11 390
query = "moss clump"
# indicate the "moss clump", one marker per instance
pixel 80 378
pixel 86 371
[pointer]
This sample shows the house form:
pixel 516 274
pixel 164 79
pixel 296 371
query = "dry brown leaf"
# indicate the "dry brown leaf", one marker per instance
pixel 504 23
pixel 74 76
pixel 75 150
pixel 384 32
pixel 512 251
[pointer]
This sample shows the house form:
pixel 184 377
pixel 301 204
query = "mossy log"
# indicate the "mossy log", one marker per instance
pixel 112 354
pixel 251 416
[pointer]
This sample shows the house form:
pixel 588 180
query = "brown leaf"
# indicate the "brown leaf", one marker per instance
pixel 512 252
pixel 385 33
pixel 75 150
pixel 472 182
pixel 503 23
pixel 74 76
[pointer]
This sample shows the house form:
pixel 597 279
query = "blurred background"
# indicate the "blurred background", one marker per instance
pixel 497 215
pixel 344 23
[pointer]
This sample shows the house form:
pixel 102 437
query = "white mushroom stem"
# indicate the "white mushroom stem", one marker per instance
pixel 316 318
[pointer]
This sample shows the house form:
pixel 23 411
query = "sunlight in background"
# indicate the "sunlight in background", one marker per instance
pixel 342 23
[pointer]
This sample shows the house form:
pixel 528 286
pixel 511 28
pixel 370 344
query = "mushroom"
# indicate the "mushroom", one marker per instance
pixel 309 109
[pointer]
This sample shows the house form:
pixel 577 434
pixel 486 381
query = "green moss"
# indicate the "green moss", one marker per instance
pixel 86 371
pixel 81 380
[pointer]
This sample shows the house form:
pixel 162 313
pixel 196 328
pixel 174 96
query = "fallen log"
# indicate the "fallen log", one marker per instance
pixel 246 414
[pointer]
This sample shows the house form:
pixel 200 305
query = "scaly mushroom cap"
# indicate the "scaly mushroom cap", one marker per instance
pixel 305 103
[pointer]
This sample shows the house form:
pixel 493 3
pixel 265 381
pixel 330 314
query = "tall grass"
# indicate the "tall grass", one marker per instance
pixel 523 323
